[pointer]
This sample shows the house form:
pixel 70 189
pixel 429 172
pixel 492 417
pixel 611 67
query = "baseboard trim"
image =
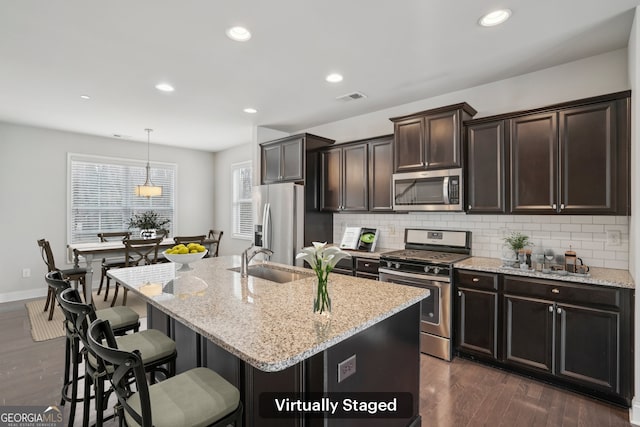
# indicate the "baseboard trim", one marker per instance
pixel 634 412
pixel 22 295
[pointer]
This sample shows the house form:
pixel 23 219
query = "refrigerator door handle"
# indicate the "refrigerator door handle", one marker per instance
pixel 267 226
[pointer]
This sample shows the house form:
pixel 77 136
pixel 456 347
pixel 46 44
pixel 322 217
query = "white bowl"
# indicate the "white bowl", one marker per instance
pixel 185 259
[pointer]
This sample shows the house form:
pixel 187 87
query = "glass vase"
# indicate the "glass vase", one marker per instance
pixel 322 301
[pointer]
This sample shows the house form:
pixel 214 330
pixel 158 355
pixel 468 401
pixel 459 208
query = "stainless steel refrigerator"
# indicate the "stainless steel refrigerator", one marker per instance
pixel 279 220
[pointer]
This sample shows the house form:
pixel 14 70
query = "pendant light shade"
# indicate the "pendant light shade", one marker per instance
pixel 148 189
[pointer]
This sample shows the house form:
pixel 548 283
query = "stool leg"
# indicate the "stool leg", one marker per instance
pixel 86 401
pixel 46 304
pixel 100 401
pixel 67 363
pixel 74 384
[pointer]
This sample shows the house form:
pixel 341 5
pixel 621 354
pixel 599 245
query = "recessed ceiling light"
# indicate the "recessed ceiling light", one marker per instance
pixel 165 87
pixel 250 110
pixel 85 97
pixel 334 78
pixel 239 34
pixel 496 17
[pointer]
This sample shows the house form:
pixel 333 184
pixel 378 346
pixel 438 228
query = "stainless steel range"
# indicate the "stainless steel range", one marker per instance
pixel 427 262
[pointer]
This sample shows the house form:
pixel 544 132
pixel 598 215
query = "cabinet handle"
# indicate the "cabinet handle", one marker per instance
pixel 559 310
pixel 475 279
pixel 469 207
pixel 554 206
pixel 555 290
pixel 459 293
pixel 561 206
pixel 366 264
pixel 550 309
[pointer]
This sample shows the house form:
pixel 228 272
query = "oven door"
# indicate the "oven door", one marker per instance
pixel 435 316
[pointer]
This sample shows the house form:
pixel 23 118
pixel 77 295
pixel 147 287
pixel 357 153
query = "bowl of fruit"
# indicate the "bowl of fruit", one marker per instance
pixel 184 254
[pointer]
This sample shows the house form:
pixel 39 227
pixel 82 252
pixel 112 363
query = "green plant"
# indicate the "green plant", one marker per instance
pixel 148 220
pixel 517 241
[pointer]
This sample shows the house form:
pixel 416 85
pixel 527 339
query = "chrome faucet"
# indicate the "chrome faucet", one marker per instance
pixel 246 258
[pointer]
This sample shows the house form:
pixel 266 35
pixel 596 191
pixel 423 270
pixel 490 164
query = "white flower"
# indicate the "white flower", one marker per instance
pixel 321 259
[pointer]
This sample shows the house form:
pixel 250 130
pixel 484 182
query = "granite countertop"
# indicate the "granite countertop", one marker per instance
pixel 371 255
pixel 269 325
pixel 596 276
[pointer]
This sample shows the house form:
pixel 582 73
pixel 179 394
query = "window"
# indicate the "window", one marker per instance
pixel 102 194
pixel 242 203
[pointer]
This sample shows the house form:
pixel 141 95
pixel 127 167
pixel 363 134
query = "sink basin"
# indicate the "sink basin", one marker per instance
pixel 273 274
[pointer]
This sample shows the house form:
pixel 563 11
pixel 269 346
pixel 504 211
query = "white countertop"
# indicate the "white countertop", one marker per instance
pixel 269 325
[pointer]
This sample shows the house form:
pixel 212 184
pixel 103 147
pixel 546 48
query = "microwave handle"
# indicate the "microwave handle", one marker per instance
pixel 445 190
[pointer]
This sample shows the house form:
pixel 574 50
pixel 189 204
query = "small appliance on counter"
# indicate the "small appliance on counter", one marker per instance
pixel 359 239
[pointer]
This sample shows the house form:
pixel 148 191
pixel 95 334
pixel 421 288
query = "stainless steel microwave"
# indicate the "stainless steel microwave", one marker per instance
pixel 438 190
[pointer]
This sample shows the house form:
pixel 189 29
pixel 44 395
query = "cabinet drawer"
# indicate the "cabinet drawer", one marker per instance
pixel 367 265
pixel 563 291
pixel 476 280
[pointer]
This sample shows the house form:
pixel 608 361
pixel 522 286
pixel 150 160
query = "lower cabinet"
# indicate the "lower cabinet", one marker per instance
pixel 575 335
pixel 366 268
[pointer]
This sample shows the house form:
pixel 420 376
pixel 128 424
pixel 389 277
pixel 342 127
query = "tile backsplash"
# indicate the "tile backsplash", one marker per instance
pixel 601 241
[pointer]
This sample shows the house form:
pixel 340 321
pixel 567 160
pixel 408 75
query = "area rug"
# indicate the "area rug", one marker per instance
pixel 42 329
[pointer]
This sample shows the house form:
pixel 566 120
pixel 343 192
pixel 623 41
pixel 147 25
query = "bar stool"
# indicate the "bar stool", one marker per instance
pixel 196 397
pixel 123 320
pixel 155 348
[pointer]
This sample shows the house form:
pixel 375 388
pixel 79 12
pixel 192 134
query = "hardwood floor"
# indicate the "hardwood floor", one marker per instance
pixel 456 394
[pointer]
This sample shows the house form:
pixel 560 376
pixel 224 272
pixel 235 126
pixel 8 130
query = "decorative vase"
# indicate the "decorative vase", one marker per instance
pixel 322 301
pixel 148 234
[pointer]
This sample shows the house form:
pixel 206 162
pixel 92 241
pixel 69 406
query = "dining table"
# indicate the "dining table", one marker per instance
pixel 92 250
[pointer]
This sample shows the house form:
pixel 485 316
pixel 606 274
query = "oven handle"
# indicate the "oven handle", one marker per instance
pixel 413 275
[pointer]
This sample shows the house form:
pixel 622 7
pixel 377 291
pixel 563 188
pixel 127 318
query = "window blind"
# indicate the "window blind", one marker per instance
pixel 242 203
pixel 102 194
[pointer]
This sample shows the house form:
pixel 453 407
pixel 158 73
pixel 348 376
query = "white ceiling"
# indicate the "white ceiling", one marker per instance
pixel 395 52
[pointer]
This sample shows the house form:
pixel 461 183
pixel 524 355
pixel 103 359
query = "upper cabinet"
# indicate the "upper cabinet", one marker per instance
pixel 571 158
pixel 380 172
pixel 430 139
pixel 283 160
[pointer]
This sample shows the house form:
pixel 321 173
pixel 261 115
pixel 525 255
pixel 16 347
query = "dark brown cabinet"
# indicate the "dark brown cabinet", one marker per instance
pixel 283 160
pixel 476 308
pixel 430 139
pixel 344 182
pixel 366 268
pixel 573 160
pixel 486 185
pixel 380 174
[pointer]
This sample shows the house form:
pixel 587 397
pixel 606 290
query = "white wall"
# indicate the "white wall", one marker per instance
pixel 224 196
pixel 33 194
pixel 634 225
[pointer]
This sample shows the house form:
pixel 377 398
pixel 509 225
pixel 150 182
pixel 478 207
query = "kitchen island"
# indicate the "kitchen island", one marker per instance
pixel 263 337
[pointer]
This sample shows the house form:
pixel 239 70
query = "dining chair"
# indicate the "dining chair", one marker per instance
pixel 198 396
pixel 113 262
pixel 122 320
pixel 189 239
pixel 77 275
pixel 215 235
pixel 137 252
pixel 156 349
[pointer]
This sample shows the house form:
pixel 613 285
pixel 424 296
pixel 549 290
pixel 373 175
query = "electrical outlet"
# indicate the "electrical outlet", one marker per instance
pixel 26 272
pixel 346 368
pixel 613 238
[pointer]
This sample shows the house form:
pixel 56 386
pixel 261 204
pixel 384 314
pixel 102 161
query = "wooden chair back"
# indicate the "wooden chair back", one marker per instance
pixel 114 236
pixel 189 239
pixel 47 255
pixel 216 235
pixel 141 251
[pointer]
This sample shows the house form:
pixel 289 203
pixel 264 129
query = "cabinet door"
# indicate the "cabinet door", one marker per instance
pixel 355 178
pixel 331 191
pixel 485 168
pixel 292 160
pixel 588 159
pixel 528 330
pixel 442 140
pixel 271 163
pixel 409 145
pixel 533 144
pixel 380 172
pixel 587 347
pixel 477 322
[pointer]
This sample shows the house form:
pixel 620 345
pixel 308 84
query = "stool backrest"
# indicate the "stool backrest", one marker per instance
pixel 216 235
pixel 47 254
pixel 141 251
pixel 79 313
pixel 189 239
pixel 114 236
pixel 124 370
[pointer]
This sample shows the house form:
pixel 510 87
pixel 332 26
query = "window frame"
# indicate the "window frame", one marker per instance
pixel 234 202
pixel 119 161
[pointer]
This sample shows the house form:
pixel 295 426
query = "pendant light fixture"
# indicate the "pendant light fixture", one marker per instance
pixel 148 189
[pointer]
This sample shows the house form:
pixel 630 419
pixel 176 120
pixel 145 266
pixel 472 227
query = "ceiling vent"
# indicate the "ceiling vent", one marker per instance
pixel 351 96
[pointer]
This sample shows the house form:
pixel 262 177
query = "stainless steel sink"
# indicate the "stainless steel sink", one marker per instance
pixel 273 274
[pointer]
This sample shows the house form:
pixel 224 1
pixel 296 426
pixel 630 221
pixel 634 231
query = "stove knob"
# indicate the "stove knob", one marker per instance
pixel 426 269
pixel 397 265
pixel 389 264
pixel 436 270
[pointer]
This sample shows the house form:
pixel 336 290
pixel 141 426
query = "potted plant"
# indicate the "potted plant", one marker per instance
pixel 149 223
pixel 517 241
